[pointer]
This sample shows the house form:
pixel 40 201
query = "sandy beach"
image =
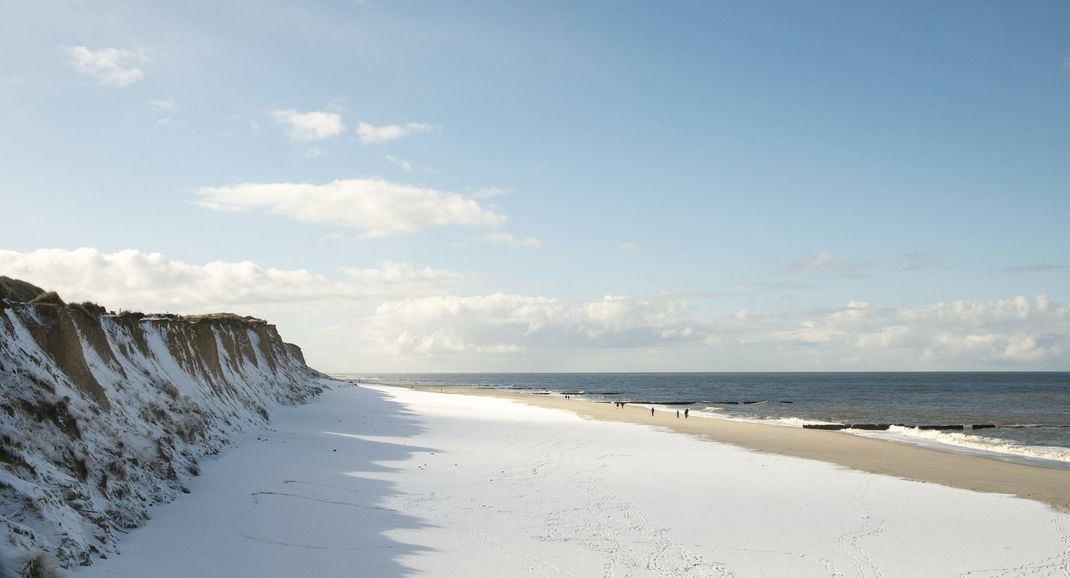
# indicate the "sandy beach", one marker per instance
pixel 383 481
pixel 1048 485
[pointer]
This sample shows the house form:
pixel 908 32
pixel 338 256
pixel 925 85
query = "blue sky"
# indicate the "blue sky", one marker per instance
pixel 753 185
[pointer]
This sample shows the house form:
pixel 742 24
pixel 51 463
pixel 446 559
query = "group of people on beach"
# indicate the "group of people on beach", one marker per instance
pixel 621 405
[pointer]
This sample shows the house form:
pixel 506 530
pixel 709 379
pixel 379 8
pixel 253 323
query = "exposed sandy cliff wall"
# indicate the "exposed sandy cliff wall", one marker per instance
pixel 103 415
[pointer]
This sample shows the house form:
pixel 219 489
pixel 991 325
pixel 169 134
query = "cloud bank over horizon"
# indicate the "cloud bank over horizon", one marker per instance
pixel 399 313
pixel 133 279
pixel 1005 332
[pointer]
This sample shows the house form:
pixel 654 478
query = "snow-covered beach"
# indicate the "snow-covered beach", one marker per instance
pixel 380 481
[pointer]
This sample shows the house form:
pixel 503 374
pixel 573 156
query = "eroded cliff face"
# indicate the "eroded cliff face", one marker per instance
pixel 103 415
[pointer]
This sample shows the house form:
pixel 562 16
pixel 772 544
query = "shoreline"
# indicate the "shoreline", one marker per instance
pixel 884 457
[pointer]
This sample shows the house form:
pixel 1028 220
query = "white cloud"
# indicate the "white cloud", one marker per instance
pixel 626 247
pixel 957 335
pixel 163 104
pixel 968 333
pixel 308 126
pixel 400 163
pixel 395 274
pixel 151 282
pixel 509 324
pixel 372 134
pixel 511 241
pixel 377 207
pixel 110 66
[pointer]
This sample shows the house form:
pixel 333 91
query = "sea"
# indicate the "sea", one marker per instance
pixel 1013 416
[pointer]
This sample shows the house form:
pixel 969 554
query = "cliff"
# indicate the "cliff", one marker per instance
pixel 104 415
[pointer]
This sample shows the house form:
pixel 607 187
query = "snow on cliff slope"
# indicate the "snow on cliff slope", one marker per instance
pixel 103 415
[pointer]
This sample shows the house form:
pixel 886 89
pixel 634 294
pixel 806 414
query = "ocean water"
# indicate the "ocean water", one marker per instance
pixel 1030 410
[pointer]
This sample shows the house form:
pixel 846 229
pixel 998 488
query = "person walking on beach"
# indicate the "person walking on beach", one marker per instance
pixel 686 411
pixel 677 414
pixel 651 412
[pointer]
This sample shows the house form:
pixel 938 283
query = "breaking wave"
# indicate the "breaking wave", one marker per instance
pixel 975 443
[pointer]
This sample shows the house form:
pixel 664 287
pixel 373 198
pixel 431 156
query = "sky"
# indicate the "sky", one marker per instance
pixel 410 186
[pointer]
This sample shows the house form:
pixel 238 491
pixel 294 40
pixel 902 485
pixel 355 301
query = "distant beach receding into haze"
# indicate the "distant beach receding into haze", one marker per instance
pixel 1014 416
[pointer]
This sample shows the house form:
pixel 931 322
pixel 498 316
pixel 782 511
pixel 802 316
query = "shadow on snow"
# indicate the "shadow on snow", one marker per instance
pixel 312 499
